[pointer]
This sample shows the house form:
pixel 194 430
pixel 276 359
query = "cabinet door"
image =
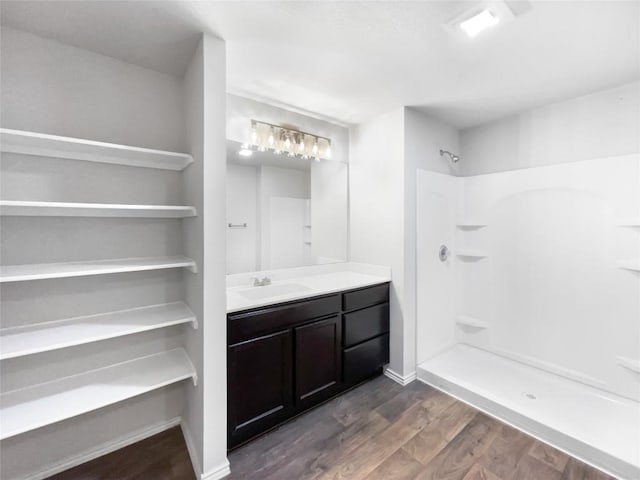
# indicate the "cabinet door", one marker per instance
pixel 260 391
pixel 318 361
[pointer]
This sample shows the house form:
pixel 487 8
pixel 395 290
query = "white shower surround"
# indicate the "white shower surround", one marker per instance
pixel 549 291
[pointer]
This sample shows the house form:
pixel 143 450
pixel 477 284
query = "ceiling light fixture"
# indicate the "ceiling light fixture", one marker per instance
pixel 481 17
pixel 479 22
pixel 295 143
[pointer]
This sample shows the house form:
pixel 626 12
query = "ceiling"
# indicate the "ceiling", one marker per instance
pixel 348 61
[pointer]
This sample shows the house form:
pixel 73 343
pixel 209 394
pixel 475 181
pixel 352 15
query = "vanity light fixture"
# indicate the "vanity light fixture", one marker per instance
pixel 245 151
pixel 284 140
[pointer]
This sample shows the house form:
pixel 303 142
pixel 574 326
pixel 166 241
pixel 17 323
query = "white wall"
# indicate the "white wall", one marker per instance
pixel 384 157
pixel 604 123
pixel 96 97
pixel 242 207
pixel 205 241
pixel 376 195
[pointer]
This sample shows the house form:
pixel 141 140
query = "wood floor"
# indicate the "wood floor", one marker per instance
pixel 161 457
pixel 379 431
pixel 382 431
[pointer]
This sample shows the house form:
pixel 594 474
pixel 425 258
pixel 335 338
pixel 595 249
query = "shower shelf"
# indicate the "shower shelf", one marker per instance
pixel 468 321
pixel 629 222
pixel 54 146
pixel 478 254
pixel 18 208
pixel 51 402
pixel 470 225
pixel 43 271
pixel 629 363
pixel 54 335
pixel 630 265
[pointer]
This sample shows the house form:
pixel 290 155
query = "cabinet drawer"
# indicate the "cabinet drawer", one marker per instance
pixel 365 297
pixel 244 326
pixel 362 361
pixel 365 324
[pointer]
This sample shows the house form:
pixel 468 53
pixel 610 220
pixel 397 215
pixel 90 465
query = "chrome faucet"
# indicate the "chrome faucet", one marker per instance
pixel 261 283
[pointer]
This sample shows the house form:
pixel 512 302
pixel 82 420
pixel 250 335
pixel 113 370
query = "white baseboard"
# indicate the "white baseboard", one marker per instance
pixel 218 472
pixel 191 448
pixel 402 380
pixel 103 449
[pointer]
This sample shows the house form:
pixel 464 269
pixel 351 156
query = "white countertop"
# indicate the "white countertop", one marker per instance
pixel 307 286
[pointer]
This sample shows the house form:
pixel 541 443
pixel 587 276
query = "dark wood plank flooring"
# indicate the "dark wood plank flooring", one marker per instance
pixel 378 431
pixel 161 457
pixel 382 431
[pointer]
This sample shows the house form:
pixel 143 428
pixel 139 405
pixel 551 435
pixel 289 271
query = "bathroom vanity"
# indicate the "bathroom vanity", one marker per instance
pixel 287 357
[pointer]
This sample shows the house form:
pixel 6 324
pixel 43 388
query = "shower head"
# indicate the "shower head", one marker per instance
pixel 453 158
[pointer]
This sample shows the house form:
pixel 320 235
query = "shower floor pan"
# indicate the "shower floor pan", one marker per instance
pixel 597 427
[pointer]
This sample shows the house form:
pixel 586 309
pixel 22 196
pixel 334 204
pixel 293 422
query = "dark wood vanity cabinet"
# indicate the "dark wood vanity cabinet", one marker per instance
pixel 286 358
pixel 260 375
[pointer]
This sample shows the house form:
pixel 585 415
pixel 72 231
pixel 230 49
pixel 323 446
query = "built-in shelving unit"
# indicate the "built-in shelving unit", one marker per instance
pixel 629 363
pixel 471 254
pixel 468 321
pixel 630 265
pixel 18 208
pixel 43 271
pixel 54 146
pixel 46 336
pixel 43 404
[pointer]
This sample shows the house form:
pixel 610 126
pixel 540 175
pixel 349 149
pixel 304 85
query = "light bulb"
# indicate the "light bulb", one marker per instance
pixel 245 151
pixel 287 143
pixel 271 140
pixel 301 144
pixel 314 150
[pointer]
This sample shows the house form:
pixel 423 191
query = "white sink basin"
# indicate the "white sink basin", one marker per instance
pixel 258 293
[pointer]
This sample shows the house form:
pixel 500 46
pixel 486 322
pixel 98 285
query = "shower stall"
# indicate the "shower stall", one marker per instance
pixel 528 300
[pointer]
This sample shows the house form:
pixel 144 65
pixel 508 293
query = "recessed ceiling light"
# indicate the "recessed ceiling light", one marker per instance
pixel 481 21
pixel 245 152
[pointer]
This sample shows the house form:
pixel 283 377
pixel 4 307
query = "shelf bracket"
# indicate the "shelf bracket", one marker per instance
pixel 194 323
pixel 194 379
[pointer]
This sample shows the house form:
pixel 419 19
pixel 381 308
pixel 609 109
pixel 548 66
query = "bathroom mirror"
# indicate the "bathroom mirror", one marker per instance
pixel 284 211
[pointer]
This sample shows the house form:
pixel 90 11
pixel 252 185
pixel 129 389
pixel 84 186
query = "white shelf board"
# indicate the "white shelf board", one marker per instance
pixel 469 321
pixel 467 253
pixel 630 265
pixel 43 404
pixel 54 146
pixel 43 271
pixel 18 208
pixel 46 336
pixel 629 363
pixel 629 222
